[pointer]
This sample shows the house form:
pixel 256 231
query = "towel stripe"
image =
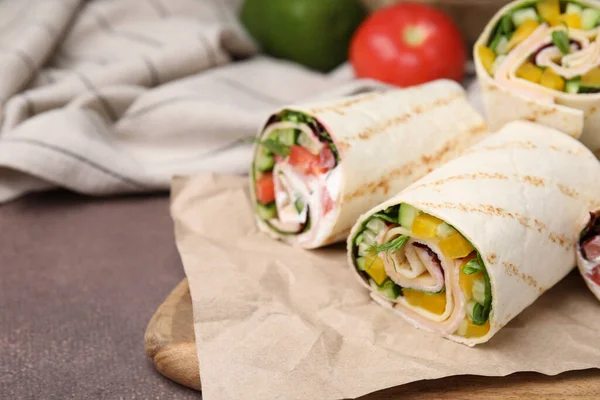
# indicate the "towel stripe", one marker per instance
pixel 105 104
pixel 77 157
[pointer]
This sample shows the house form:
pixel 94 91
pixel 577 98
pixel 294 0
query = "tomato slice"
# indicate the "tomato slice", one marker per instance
pixel 265 189
pixel 309 163
pixel 302 159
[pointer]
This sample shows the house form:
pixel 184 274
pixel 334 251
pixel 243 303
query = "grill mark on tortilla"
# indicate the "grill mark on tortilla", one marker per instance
pixel 588 113
pixel 529 179
pixel 567 191
pixel 400 119
pixel 488 209
pixel 343 146
pixel 424 161
pixel 537 114
pixel 339 108
pixel 513 270
pixel 525 146
pixel 492 258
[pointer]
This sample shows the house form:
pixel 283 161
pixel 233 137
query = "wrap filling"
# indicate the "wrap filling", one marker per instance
pixel 427 269
pixel 295 173
pixel 544 46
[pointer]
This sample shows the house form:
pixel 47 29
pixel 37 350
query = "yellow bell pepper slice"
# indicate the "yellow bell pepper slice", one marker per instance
pixel 570 20
pixel 530 72
pixel 375 268
pixel 549 10
pixel 425 225
pixel 434 303
pixel 592 77
pixel 552 80
pixel 470 330
pixel 487 57
pixel 455 246
pixel 522 33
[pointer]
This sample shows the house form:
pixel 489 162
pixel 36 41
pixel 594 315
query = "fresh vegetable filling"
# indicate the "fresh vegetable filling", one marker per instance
pixel 293 172
pixel 589 246
pixel 553 43
pixel 424 264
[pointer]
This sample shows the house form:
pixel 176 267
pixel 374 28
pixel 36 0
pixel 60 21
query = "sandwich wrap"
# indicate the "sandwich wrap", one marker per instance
pixel 539 61
pixel 469 246
pixel 588 251
pixel 317 167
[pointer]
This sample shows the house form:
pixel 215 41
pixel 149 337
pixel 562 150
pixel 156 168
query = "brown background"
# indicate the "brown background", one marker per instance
pixel 79 280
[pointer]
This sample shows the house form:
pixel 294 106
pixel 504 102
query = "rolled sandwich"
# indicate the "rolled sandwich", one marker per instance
pixel 588 252
pixel 466 248
pixel 317 167
pixel 540 61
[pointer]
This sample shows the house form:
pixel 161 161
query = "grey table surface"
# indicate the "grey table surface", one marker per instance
pixel 79 280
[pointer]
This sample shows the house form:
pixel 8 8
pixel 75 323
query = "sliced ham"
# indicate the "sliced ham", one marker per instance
pixel 420 265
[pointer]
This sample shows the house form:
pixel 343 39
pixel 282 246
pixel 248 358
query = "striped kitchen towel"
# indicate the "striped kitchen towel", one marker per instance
pixel 117 96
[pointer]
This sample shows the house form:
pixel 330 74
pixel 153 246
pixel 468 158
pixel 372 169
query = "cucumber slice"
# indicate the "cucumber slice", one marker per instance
pixel 573 9
pixel 520 16
pixel 407 215
pixel 308 142
pixel 376 225
pixel 572 86
pixel 360 262
pixel 267 211
pixel 287 136
pixel 264 161
pixel 444 230
pixel 502 47
pixel 389 289
pixel 589 18
pixel 359 239
pixel 369 238
pixel 363 249
pixel 479 291
pixel 462 328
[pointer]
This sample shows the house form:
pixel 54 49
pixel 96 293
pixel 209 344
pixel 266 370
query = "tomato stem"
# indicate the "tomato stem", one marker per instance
pixel 415 35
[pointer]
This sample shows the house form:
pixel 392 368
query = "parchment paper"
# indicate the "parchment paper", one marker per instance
pixel 276 322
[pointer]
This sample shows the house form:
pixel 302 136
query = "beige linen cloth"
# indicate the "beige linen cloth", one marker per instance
pixel 117 96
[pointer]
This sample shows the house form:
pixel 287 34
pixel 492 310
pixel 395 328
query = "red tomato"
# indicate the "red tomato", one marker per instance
pixel 265 189
pixel 408 44
pixel 309 163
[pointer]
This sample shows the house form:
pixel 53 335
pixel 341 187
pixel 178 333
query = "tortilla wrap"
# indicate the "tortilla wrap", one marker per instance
pixel 508 97
pixel 515 199
pixel 384 141
pixel 588 251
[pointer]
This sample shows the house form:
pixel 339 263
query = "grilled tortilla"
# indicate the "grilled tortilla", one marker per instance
pixel 469 246
pixel 317 167
pixel 540 61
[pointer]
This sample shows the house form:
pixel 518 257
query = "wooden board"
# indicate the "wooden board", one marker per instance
pixel 170 344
